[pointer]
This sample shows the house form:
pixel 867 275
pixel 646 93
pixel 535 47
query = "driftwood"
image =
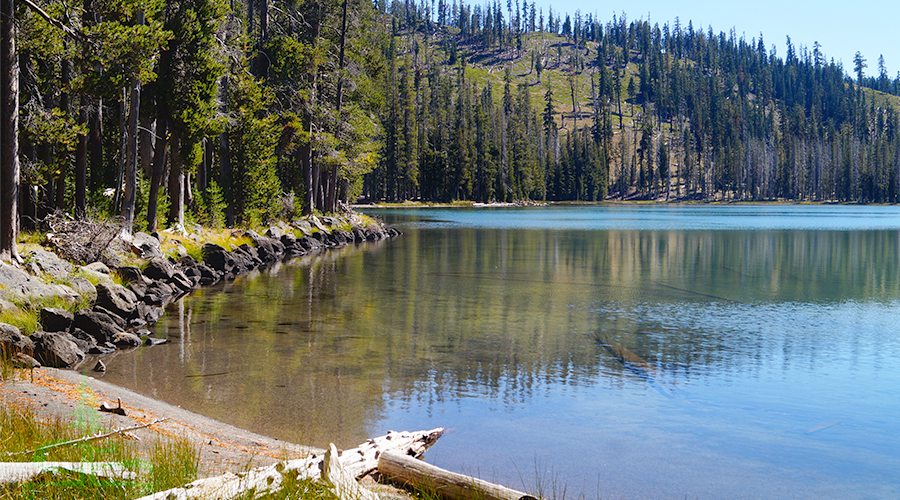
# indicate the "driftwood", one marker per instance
pixel 408 471
pixel 343 484
pixel 638 365
pixel 20 472
pixel 353 463
pixel 84 439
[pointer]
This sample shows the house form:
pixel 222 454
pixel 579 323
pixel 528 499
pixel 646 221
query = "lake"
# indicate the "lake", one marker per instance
pixel 604 351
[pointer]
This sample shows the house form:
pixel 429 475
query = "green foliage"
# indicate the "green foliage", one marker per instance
pixel 257 187
pixel 168 463
pixel 210 207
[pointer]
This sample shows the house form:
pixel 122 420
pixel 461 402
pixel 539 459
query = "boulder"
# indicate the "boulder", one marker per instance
pixel 56 349
pixel 131 274
pixel 145 246
pixel 12 341
pixel 56 320
pixel 275 232
pixel 393 232
pixel 181 283
pixel 117 299
pixel 115 318
pixel 359 235
pixel 218 258
pixel 17 283
pixel 84 287
pixel 97 325
pixel 158 268
pixel 86 342
pixel 341 237
pixel 124 340
pixel 22 360
pixel 150 313
pixel 40 261
pixel 97 272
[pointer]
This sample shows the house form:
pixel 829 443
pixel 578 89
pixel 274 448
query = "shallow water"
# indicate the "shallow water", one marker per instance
pixel 761 348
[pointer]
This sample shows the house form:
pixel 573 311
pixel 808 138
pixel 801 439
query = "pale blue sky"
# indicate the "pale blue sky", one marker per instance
pixel 841 27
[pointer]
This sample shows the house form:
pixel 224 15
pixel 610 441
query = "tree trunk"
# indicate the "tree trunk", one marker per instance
pixel 176 184
pixel 64 107
pixel 406 470
pixel 9 134
pixel 159 167
pixel 132 158
pixel 81 161
pixel 333 180
pixel 225 160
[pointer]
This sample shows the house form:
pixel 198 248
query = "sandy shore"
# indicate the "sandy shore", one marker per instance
pixel 69 395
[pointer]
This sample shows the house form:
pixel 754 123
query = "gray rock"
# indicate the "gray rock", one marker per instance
pixel 12 341
pixel 131 274
pixel 181 282
pixel 158 268
pixel 6 305
pixel 17 283
pixel 97 325
pixel 97 272
pixel 22 360
pixel 97 267
pixel 84 287
pixel 218 258
pixel 115 318
pixel 117 299
pixel 145 246
pixel 54 349
pixel 41 261
pixel 275 232
pixel 85 341
pixel 56 320
pixel 124 340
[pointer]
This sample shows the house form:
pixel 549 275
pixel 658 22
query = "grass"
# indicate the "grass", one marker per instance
pixel 163 465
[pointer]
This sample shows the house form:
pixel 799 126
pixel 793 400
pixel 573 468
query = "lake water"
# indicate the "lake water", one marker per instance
pixel 613 351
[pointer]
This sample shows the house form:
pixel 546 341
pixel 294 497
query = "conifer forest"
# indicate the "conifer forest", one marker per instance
pixel 167 112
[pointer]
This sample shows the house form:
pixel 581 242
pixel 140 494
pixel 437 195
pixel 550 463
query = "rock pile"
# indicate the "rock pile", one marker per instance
pixel 119 315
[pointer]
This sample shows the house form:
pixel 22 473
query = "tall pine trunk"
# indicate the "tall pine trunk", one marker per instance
pixel 9 132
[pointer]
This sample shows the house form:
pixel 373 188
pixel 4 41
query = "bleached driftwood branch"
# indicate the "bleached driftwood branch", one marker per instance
pixel 20 472
pixel 409 471
pixel 354 464
pixel 84 439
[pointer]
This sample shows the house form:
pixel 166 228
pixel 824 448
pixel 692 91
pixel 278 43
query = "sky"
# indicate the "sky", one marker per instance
pixel 841 27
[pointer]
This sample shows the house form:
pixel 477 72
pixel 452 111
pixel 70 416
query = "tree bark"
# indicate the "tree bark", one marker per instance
pixel 132 159
pixel 9 134
pixel 159 167
pixel 406 470
pixel 66 77
pixel 176 184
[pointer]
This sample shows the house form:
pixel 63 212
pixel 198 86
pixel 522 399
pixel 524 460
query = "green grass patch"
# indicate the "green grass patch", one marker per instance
pixel 165 464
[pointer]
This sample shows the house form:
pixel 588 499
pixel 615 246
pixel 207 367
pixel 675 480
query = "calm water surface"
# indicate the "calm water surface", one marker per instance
pixel 763 346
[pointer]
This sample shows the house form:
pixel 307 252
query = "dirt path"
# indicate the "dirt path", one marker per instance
pixel 69 395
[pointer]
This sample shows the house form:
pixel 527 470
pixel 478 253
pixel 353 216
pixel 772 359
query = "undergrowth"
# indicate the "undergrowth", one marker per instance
pixel 163 465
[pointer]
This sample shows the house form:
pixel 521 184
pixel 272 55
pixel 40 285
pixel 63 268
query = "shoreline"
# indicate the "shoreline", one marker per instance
pixel 69 395
pixel 66 392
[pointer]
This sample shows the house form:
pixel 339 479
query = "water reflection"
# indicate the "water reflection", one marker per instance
pixel 742 337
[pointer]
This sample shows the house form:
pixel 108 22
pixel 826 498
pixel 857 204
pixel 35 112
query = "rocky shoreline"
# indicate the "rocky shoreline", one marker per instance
pixel 119 314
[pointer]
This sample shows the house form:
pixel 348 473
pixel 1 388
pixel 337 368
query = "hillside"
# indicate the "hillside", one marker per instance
pixel 638 112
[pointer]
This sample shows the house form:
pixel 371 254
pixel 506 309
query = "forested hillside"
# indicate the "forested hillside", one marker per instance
pixel 505 104
pixel 236 113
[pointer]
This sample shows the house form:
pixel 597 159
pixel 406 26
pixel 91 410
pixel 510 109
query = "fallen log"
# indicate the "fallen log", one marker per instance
pixel 409 471
pixel 355 463
pixel 638 365
pixel 343 484
pixel 20 472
